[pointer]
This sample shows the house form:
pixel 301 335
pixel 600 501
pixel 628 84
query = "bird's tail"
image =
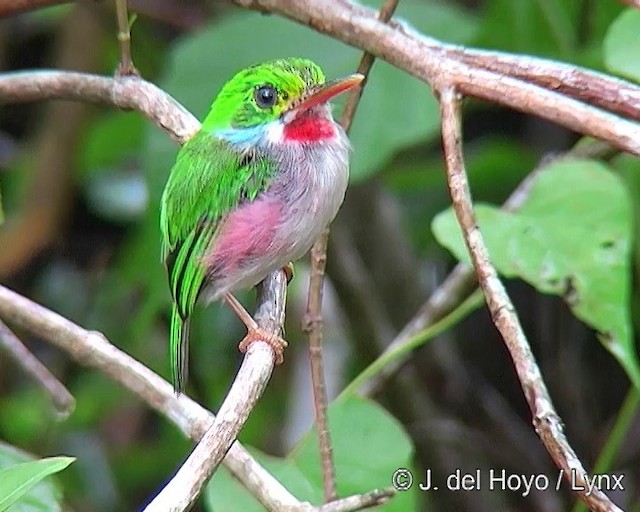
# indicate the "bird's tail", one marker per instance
pixel 179 343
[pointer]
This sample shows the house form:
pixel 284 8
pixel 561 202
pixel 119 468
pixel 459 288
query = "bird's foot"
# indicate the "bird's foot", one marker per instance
pixel 257 333
pixel 288 271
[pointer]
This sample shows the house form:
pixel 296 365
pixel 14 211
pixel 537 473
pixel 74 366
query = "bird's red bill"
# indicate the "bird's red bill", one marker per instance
pixel 329 90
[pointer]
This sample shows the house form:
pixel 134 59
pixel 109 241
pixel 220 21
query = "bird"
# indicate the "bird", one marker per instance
pixel 250 192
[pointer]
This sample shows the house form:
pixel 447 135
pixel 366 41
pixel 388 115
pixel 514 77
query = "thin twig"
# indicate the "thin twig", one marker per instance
pixel 313 317
pixel 125 66
pixel 358 502
pixel 313 326
pixel 546 421
pixel 62 400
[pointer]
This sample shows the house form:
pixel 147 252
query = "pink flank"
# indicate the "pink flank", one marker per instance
pixel 309 128
pixel 246 234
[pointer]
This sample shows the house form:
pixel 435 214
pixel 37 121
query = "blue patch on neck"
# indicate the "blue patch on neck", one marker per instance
pixel 251 136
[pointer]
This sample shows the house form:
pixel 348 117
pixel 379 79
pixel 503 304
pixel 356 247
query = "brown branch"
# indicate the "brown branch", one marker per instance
pixel 313 316
pixel 597 89
pixel 359 501
pixel 62 400
pixel 127 93
pixel 546 421
pixel 313 326
pixel 461 281
pixel 91 348
pixel 184 488
pixel 416 54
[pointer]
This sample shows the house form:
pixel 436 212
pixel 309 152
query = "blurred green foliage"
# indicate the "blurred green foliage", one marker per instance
pixel 106 272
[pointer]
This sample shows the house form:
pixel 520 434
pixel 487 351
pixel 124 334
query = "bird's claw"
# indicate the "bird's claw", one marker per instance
pixel 288 271
pixel 273 340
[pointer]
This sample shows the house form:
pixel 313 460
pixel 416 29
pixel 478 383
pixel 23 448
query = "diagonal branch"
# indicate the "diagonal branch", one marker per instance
pixel 92 349
pixel 461 281
pixel 546 421
pixel 612 94
pixel 62 400
pixel 188 483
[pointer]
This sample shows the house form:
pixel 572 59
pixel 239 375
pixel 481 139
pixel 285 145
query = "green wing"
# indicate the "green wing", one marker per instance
pixel 208 180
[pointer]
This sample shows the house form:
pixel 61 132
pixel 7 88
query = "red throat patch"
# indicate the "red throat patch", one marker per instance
pixel 309 128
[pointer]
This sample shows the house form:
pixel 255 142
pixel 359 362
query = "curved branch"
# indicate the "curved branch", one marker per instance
pixel 612 94
pixel 422 57
pixel 217 436
pixel 91 348
pixel 126 92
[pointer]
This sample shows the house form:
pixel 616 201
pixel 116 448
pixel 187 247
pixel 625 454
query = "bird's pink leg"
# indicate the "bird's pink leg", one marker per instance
pixel 255 332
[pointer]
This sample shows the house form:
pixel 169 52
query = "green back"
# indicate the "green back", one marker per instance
pixel 208 180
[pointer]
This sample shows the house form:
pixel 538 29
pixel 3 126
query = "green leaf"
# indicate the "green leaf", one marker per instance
pixel 21 489
pixel 571 238
pixel 360 466
pixel 621 45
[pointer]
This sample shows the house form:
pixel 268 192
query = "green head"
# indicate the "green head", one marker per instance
pixel 266 92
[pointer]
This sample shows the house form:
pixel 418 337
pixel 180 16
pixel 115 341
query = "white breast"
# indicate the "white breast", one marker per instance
pixel 312 185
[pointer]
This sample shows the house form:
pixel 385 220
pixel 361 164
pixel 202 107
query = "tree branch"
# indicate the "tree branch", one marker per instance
pixel 462 281
pixel 546 421
pixel 422 57
pixel 62 400
pixel 186 486
pixel 92 348
pixel 127 93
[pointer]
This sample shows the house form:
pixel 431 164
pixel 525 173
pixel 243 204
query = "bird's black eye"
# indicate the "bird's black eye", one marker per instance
pixel 266 96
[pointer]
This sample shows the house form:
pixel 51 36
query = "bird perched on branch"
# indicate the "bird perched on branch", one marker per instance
pixel 251 191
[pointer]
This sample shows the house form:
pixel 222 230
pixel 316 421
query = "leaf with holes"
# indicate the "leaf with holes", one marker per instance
pixel 571 238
